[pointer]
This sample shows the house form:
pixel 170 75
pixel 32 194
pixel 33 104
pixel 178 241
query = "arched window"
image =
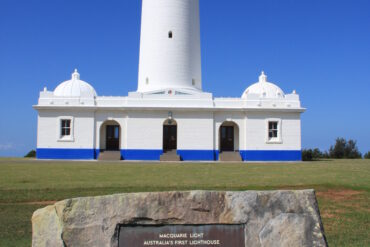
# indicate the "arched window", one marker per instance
pixel 170 34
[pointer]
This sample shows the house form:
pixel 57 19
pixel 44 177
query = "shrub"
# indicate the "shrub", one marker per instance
pixel 312 154
pixel 307 154
pixel 31 154
pixel 367 155
pixel 317 154
pixel 326 155
pixel 337 151
pixel 351 150
pixel 344 150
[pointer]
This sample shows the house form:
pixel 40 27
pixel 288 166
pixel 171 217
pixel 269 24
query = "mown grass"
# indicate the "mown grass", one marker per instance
pixel 343 188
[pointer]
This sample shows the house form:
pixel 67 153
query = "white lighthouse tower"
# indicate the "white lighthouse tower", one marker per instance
pixel 170 46
pixel 169 117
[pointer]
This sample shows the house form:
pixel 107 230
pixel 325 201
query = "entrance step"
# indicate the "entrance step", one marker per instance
pixel 230 156
pixel 170 156
pixel 110 155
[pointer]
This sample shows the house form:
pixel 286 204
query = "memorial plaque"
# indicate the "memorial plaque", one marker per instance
pixel 182 235
pixel 238 219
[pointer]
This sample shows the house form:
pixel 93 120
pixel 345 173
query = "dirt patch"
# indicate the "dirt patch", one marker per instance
pixel 41 203
pixel 327 215
pixel 332 213
pixel 338 195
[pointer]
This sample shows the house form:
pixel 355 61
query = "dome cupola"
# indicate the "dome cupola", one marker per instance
pixel 75 88
pixel 264 89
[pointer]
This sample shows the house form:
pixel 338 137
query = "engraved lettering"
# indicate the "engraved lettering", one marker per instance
pixel 182 236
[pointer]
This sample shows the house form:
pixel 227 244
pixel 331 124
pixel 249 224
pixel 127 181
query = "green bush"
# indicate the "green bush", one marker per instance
pixel 367 155
pixel 307 154
pixel 344 149
pixel 312 154
pixel 31 154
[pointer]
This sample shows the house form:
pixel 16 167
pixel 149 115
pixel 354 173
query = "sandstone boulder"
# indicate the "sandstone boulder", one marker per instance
pixel 271 218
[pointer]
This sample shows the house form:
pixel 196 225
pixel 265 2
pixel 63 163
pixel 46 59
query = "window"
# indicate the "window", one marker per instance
pixel 65 128
pixel 170 35
pixel 273 130
pixel 193 82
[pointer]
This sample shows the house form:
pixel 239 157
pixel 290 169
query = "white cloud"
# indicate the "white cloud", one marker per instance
pixel 6 146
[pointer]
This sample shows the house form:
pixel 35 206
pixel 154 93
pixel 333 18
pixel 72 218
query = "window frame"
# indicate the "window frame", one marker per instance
pixel 65 138
pixel 274 140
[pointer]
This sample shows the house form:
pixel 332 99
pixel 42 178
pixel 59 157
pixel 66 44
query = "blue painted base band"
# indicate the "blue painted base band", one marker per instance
pixel 136 154
pixel 186 155
pixel 200 155
pixel 271 155
pixel 66 154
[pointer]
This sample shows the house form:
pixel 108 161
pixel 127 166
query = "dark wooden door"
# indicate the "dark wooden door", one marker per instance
pixel 112 137
pixel 169 137
pixel 227 138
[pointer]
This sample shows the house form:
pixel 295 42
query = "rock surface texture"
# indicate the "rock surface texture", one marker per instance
pixel 271 218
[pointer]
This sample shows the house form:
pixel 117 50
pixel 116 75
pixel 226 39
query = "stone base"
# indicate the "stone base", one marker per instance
pixel 271 218
pixel 230 156
pixel 110 156
pixel 170 156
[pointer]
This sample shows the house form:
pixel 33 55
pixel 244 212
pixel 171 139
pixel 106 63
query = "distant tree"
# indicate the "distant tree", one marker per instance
pixel 344 150
pixel 367 155
pixel 307 155
pixel 351 150
pixel 337 151
pixel 326 155
pixel 311 154
pixel 317 154
pixel 31 154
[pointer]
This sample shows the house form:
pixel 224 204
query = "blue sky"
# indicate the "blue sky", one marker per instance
pixel 321 48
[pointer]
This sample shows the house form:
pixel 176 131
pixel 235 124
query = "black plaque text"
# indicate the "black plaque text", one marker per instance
pixel 182 235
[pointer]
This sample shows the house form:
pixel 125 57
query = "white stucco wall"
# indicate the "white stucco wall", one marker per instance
pixel 143 130
pixel 256 131
pixel 82 137
pixel 194 130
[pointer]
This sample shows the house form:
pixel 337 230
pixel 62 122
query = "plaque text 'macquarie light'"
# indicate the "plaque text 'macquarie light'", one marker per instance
pixel 182 235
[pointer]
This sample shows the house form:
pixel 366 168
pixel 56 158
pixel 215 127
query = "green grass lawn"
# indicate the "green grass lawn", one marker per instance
pixel 343 188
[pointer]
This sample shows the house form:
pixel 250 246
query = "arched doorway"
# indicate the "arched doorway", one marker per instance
pixel 169 135
pixel 110 133
pixel 229 137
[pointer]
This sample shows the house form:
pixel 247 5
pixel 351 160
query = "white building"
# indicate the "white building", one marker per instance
pixel 169 111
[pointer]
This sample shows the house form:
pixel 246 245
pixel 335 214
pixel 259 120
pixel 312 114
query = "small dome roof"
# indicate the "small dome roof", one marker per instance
pixel 75 88
pixel 264 89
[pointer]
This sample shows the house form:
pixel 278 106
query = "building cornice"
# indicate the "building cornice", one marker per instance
pixel 167 108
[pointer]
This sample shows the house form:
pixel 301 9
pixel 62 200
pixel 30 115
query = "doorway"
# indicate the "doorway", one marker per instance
pixel 169 136
pixel 227 138
pixel 112 137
